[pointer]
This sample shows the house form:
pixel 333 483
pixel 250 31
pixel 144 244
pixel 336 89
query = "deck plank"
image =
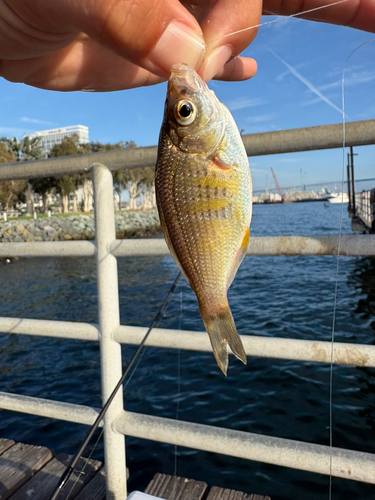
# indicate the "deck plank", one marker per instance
pixel 18 464
pixel 176 488
pixel 217 493
pixel 5 444
pixel 95 489
pixel 42 485
pixel 255 497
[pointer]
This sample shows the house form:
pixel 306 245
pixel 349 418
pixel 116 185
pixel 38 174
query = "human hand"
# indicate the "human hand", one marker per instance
pixel 118 44
pixel 115 44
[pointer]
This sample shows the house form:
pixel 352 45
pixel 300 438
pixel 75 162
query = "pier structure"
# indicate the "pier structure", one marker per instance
pixel 29 472
pixel 361 207
pixel 119 423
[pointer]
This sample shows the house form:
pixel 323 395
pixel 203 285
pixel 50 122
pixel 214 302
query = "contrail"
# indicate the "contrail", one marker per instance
pixel 308 84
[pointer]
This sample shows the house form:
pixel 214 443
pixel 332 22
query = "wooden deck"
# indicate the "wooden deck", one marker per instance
pixel 181 488
pixel 32 472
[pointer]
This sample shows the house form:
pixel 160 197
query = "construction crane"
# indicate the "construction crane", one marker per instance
pixel 279 190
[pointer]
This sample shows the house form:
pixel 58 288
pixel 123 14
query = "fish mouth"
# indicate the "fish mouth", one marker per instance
pixel 184 80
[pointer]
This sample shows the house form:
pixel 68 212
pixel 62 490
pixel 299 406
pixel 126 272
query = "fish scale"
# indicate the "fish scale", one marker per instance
pixel 203 192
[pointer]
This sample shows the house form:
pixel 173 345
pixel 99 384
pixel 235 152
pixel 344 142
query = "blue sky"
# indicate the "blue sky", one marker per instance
pixel 298 84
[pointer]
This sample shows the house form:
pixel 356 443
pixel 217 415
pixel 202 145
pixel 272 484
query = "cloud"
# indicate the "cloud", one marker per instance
pixel 34 120
pixel 244 102
pixel 260 118
pixel 308 84
pixel 350 79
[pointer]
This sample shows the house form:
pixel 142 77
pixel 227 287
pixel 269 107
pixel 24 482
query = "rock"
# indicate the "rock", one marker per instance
pixel 128 224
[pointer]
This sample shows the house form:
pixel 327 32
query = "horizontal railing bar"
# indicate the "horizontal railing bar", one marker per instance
pixel 359 466
pixel 115 159
pixel 48 249
pixel 49 328
pixel 363 244
pixel 358 133
pixel 270 347
pixel 264 347
pixel 69 412
pixel 266 245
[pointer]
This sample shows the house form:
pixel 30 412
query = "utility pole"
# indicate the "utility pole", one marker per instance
pixel 351 183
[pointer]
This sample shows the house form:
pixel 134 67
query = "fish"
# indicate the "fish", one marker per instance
pixel 204 199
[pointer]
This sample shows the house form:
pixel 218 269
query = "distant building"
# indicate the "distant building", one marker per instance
pixel 56 135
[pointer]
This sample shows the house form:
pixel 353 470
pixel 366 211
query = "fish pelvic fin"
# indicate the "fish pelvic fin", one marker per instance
pixel 222 332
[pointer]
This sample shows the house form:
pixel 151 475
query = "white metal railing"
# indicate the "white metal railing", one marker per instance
pixel 118 423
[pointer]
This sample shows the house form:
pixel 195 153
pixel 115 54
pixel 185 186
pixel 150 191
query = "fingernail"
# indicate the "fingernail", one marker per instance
pixel 178 44
pixel 216 60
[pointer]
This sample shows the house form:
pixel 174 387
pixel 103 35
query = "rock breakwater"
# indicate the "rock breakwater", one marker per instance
pixel 78 227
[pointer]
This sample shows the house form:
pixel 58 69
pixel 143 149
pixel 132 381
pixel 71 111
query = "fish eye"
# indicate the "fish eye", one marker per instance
pixel 185 112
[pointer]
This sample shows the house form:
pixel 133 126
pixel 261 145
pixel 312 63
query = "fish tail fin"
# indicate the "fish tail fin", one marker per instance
pixel 222 331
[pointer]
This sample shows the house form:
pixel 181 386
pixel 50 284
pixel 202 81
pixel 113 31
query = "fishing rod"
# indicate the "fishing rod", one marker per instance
pixel 70 468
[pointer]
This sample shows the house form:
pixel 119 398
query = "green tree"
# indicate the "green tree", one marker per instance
pixel 136 181
pixel 30 148
pixel 67 185
pixel 25 149
pixel 120 177
pixel 6 156
pixel 119 183
pixel 95 147
pixel 68 146
pixel 148 193
pixel 9 190
pixel 43 186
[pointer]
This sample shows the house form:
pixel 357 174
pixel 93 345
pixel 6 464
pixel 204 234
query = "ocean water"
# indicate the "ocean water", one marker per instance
pixel 272 296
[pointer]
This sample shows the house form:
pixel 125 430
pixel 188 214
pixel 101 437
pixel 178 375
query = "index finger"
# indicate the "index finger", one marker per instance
pixel 228 29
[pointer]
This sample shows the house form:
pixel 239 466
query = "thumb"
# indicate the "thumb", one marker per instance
pixel 153 34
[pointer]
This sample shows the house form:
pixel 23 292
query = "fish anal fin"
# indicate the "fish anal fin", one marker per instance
pixel 241 252
pixel 222 332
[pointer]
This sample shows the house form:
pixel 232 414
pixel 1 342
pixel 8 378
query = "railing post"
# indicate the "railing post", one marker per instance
pixel 109 320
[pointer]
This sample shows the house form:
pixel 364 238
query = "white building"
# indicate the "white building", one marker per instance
pixel 56 135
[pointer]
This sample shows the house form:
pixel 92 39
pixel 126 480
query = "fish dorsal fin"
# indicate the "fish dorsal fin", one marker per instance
pixel 241 252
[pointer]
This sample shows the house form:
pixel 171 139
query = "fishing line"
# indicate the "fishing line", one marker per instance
pixel 282 18
pixel 338 264
pixel 178 386
pixel 70 468
pixel 82 471
pixel 87 460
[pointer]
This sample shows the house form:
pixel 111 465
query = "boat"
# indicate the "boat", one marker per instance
pixel 338 198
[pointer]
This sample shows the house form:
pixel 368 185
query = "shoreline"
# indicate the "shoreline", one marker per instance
pixel 129 224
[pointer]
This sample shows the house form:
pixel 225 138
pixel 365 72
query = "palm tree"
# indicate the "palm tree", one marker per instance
pixel 25 149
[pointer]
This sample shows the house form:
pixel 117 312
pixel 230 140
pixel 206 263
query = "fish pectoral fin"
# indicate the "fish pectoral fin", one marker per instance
pixel 222 332
pixel 241 252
